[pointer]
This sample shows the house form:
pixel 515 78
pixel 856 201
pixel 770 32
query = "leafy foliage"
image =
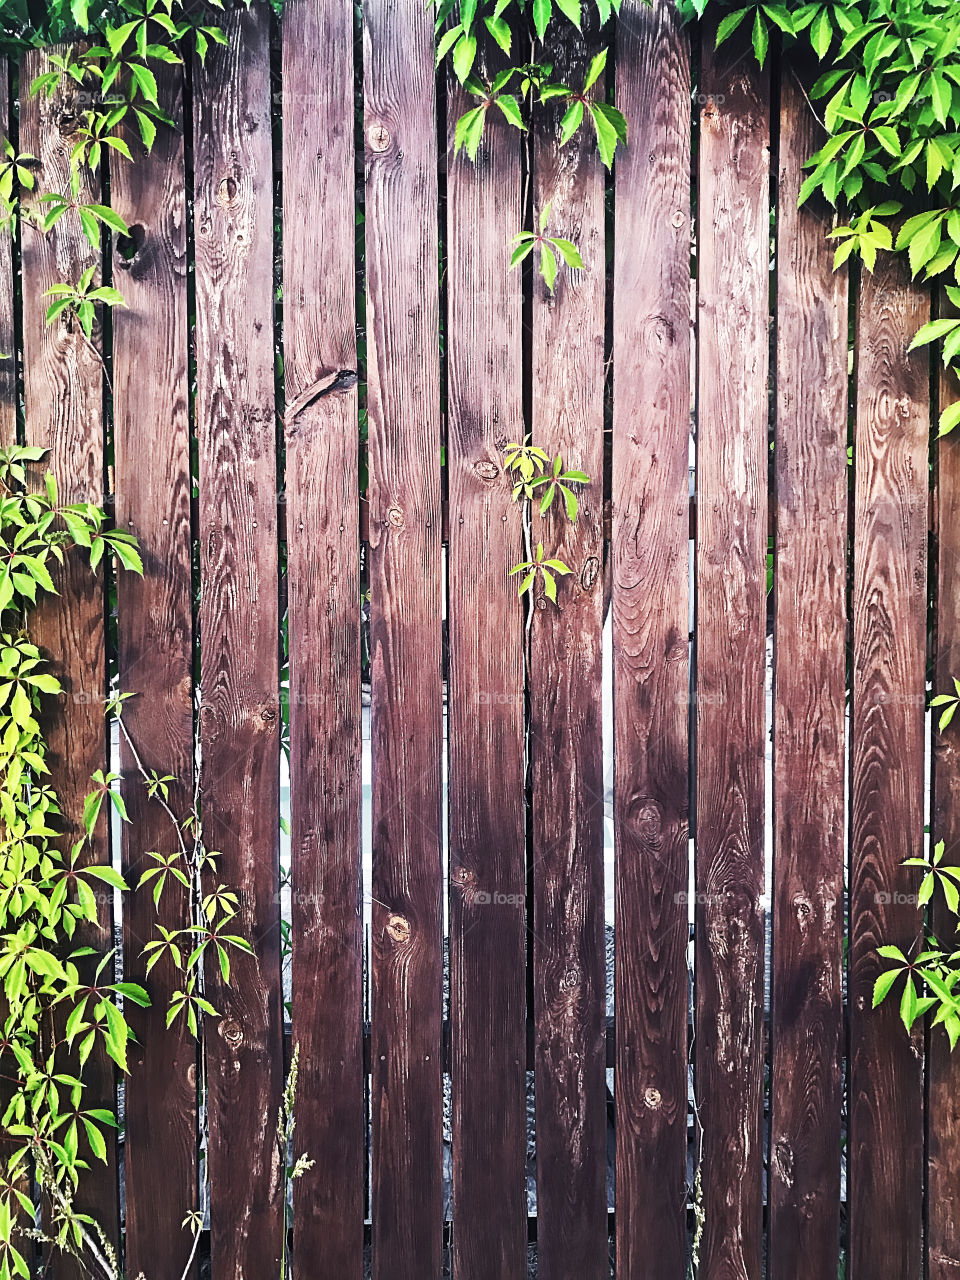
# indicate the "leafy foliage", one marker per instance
pixel 889 99
pixel 475 36
pixel 531 470
pixel 550 246
pixel 928 981
pixel 48 892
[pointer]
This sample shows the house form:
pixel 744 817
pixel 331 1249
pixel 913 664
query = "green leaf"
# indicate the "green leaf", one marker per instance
pixel 607 130
pixel 568 251
pixel 884 984
pixel 572 119
pixel 760 37
pixel 948 420
pixel 448 40
pixel 593 72
pixel 821 33
pixel 464 56
pixel 97 1144
pixel 548 266
pixel 933 331
pixel 570 9
pixel 542 9
pixel 469 131
pixel 501 32
pixel 511 109
pixel 729 24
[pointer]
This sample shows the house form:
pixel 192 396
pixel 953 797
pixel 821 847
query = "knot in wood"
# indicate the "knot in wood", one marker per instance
pixel 398 928
pixel 590 573
pixel 570 979
pixel 678 219
pixel 647 820
pixel 67 124
pixel 226 192
pixel 652 1098
pixel 231 1032
pixel 487 470
pixel 378 135
pixel 395 518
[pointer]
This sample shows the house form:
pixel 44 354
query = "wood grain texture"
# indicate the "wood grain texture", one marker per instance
pixel 487 858
pixel 650 602
pixel 733 253
pixel 889 634
pixel 240 720
pixel 8 436
pixel 8 332
pixel 155 637
pixel 323 566
pixel 565 722
pixel 63 394
pixel 808 717
pixel 943 1067
pixel 405 629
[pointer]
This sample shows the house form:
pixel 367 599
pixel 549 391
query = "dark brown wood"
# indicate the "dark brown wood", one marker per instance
pixel 650 602
pixel 8 333
pixel 155 635
pixel 8 437
pixel 569 970
pixel 487 859
pixel 240 717
pixel 808 718
pixel 943 1067
pixel 323 567
pixel 733 264
pixel 63 394
pixel 405 620
pixel 889 637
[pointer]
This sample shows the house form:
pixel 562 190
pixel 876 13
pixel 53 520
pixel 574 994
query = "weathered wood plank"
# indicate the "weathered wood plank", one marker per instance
pixel 8 332
pixel 889 637
pixel 808 717
pixel 323 567
pixel 565 723
pixel 943 1067
pixel 650 603
pixel 63 393
pixel 405 621
pixel 240 721
pixel 8 436
pixel 487 860
pixel 732 454
pixel 155 638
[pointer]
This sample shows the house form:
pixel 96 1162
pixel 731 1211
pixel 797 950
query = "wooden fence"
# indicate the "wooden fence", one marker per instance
pixel 825 1138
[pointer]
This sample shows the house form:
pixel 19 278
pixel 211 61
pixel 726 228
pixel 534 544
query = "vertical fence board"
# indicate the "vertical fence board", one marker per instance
pixel 731 604
pixel 405 622
pixel 323 564
pixel 565 723
pixel 8 437
pixel 810 682
pixel 63 393
pixel 8 333
pixel 487 860
pixel 155 634
pixel 889 620
pixel 651 440
pixel 239 722
pixel 943 1081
